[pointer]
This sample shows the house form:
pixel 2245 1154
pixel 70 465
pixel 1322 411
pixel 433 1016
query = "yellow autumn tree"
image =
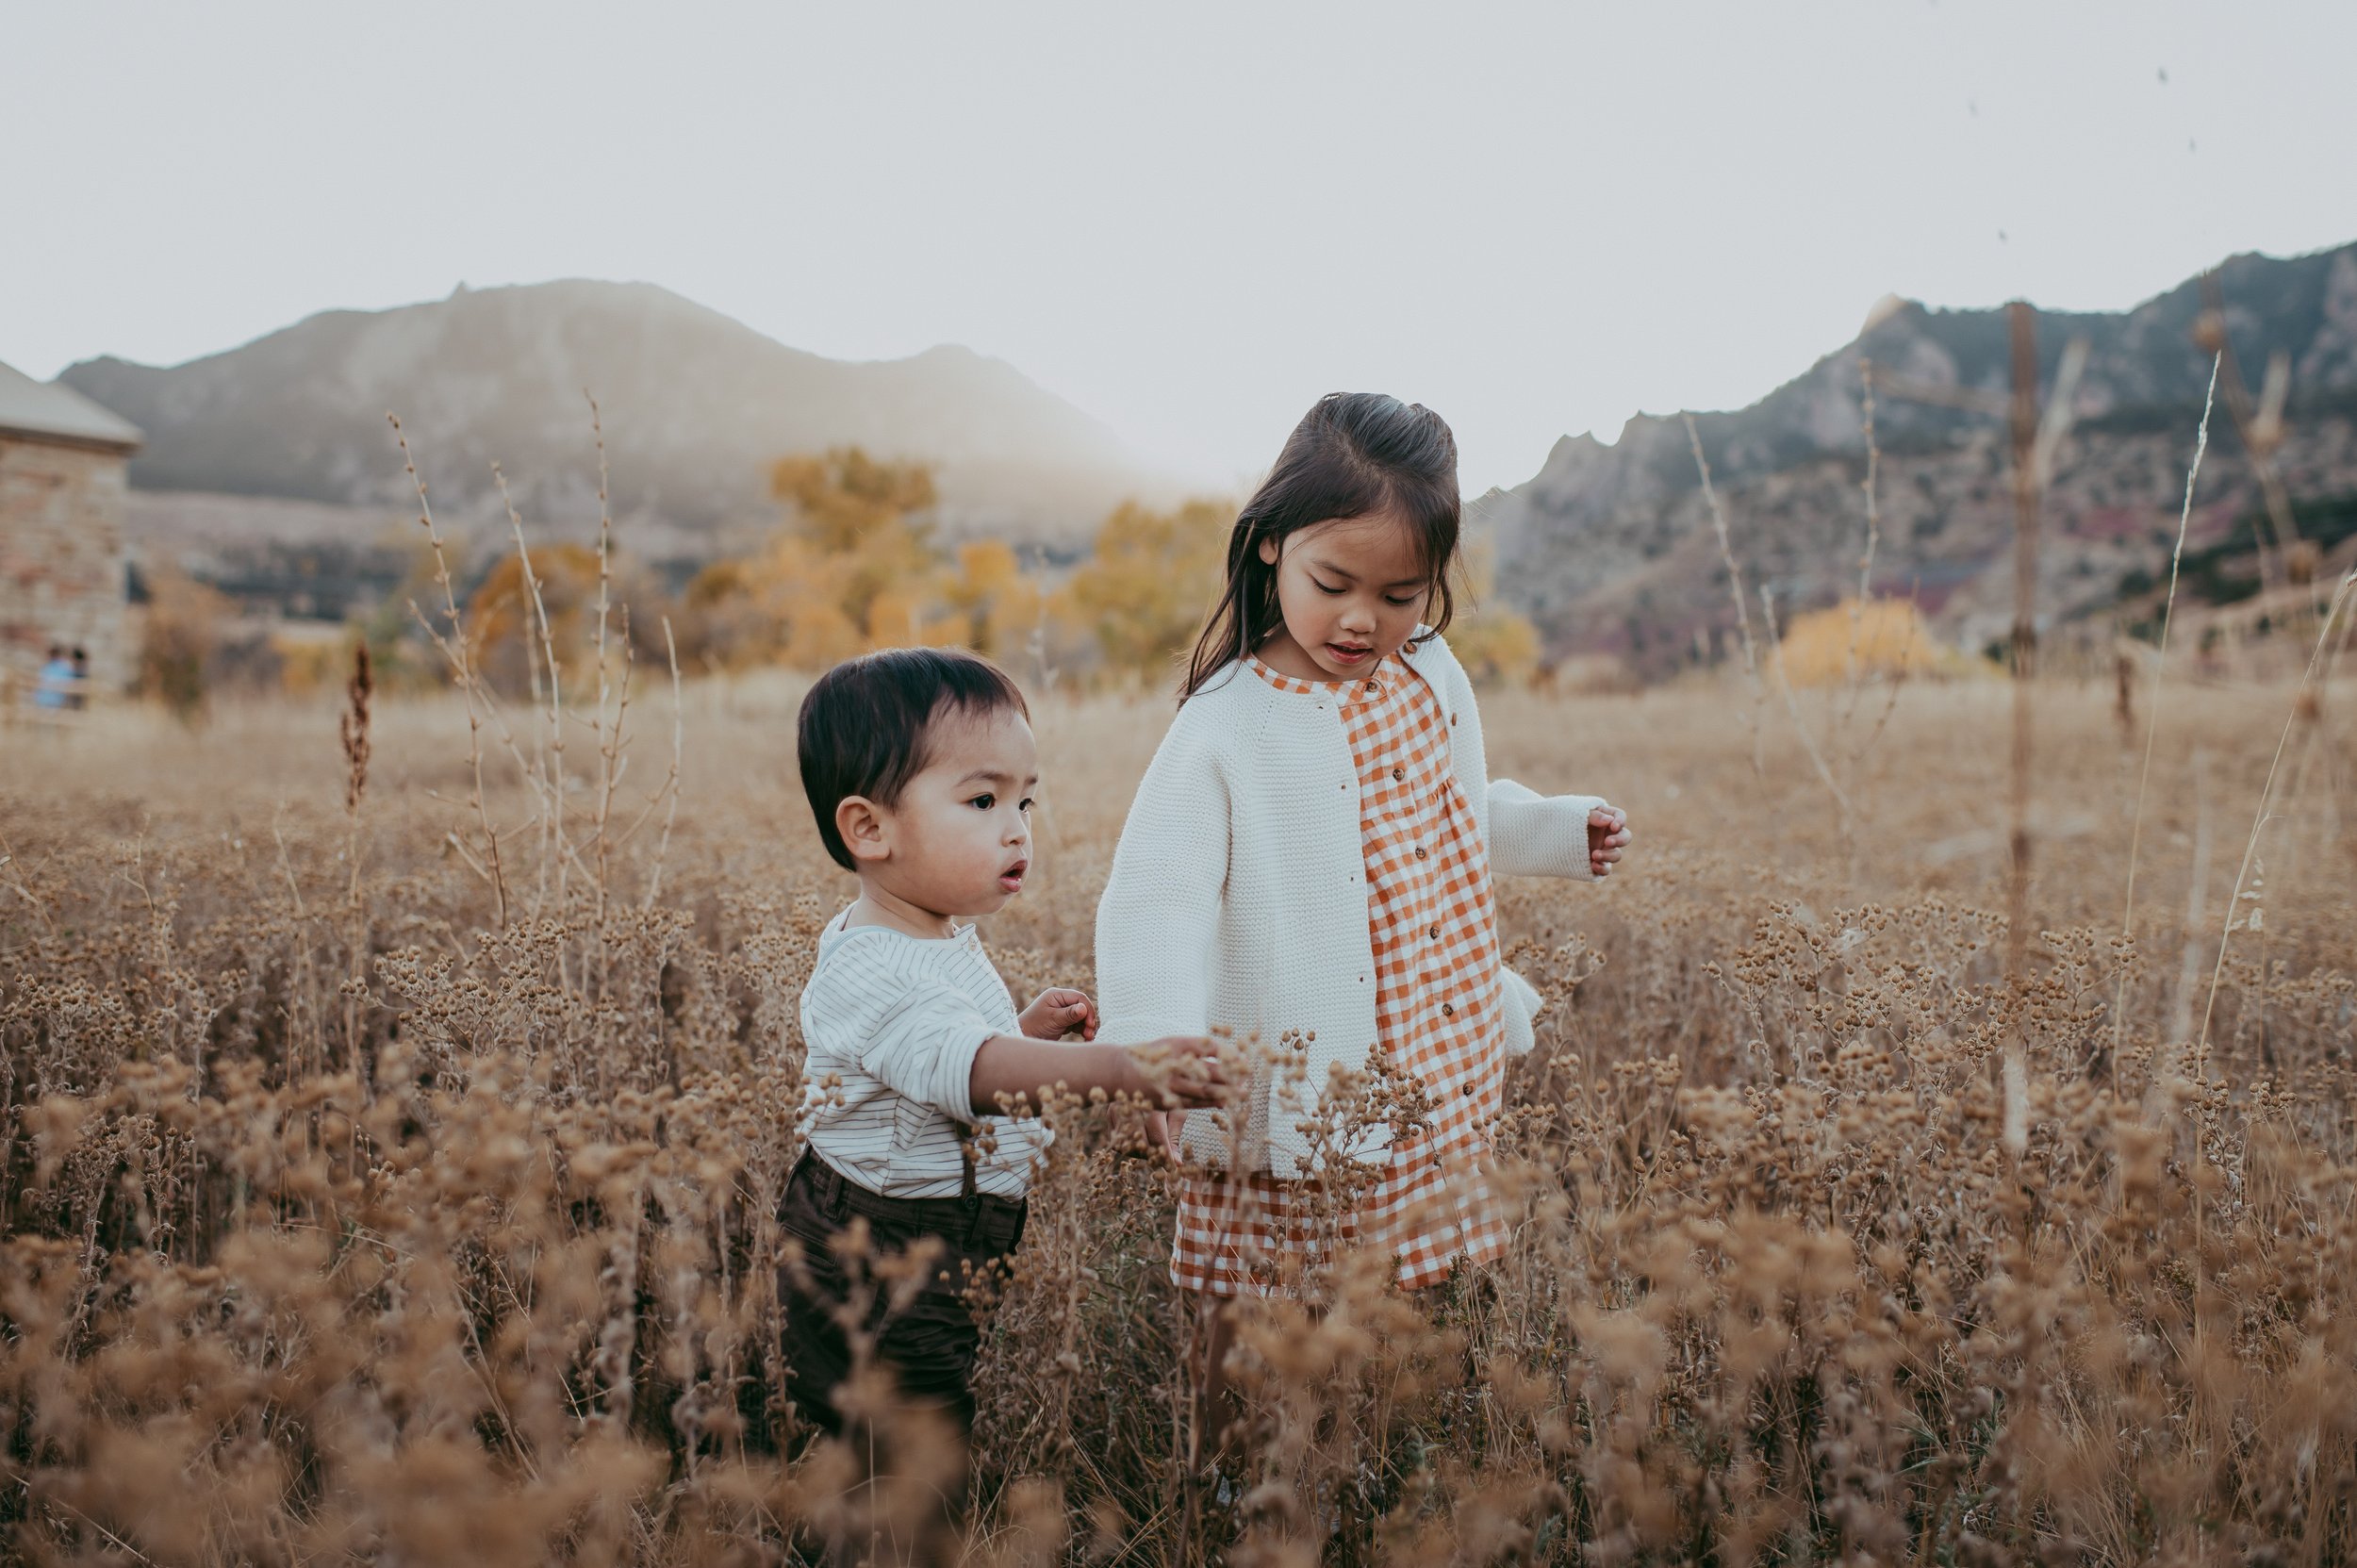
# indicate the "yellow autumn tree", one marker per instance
pixel 1497 645
pixel 853 566
pixel 869 519
pixel 1881 638
pixel 998 605
pixel 1150 578
pixel 503 628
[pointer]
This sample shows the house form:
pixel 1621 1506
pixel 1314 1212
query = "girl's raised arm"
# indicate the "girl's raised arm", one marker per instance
pixel 1160 912
pixel 1539 835
pixel 1530 834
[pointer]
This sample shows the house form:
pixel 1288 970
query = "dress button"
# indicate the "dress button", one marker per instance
pixel 1448 1009
pixel 1436 933
pixel 1370 685
pixel 1398 773
pixel 1419 852
pixel 1466 1092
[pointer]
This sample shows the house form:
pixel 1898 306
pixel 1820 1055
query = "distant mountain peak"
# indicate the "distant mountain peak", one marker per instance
pixel 1883 309
pixel 695 406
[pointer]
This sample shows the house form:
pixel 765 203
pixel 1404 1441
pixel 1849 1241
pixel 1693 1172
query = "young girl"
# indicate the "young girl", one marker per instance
pixel 1310 852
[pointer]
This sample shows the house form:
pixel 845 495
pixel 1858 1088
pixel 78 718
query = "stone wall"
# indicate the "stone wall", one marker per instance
pixel 61 563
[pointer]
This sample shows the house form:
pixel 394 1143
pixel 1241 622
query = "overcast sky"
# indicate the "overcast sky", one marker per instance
pixel 1188 217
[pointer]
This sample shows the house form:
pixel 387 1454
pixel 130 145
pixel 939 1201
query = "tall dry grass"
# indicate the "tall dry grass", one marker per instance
pixel 348 1216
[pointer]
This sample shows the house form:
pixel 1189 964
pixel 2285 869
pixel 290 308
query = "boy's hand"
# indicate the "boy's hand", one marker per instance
pixel 1059 1013
pixel 1608 835
pixel 1185 1069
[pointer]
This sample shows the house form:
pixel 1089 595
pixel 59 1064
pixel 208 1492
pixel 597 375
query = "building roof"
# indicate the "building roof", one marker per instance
pixel 45 411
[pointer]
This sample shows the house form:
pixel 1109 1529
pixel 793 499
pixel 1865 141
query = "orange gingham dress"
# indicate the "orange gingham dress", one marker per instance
pixel 1433 920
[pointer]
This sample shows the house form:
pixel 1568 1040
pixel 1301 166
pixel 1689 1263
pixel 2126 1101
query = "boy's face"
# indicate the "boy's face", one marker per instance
pixel 959 839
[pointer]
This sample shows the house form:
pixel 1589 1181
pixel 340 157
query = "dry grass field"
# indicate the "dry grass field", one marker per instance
pixel 344 1221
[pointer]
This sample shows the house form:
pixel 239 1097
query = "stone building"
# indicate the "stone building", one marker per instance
pixel 63 462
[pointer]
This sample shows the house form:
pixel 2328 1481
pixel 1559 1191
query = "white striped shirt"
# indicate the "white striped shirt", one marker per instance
pixel 895 1021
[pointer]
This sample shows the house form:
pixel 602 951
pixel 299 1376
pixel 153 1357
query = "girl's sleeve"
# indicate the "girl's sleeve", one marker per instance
pixel 1530 834
pixel 1538 835
pixel 1160 912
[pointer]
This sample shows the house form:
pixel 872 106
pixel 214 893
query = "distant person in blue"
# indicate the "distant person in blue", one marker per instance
pixel 57 689
pixel 77 695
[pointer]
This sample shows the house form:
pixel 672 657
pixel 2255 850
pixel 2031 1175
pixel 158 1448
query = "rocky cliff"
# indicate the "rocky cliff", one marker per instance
pixel 1610 549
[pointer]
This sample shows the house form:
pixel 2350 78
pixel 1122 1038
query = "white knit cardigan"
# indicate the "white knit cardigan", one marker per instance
pixel 1238 897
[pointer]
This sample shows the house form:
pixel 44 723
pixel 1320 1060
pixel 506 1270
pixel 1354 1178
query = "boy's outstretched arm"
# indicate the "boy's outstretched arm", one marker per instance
pixel 1179 1070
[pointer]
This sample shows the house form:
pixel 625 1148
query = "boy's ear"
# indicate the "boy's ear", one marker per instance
pixel 866 829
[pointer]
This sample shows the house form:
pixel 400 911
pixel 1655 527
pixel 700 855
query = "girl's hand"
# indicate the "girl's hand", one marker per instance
pixel 1161 1133
pixel 1059 1013
pixel 1608 835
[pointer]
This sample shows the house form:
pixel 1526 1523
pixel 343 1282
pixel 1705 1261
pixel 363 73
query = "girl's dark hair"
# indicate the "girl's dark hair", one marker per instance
pixel 1353 455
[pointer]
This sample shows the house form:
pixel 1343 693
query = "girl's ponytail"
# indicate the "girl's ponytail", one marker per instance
pixel 1353 455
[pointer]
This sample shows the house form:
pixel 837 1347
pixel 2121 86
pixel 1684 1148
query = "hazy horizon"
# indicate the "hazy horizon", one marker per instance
pixel 1538 220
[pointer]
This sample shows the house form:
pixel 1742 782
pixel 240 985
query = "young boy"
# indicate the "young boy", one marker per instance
pixel 919 766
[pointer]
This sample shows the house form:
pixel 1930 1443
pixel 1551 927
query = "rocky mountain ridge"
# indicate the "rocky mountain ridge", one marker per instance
pixel 1610 549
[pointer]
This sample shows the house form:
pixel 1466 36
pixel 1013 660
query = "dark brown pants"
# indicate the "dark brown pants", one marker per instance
pixel 929 1345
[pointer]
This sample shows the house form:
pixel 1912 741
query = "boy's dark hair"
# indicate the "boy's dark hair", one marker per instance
pixel 1352 455
pixel 865 725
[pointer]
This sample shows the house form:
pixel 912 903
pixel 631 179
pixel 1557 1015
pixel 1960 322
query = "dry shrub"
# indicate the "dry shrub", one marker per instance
pixel 180 636
pixel 349 1217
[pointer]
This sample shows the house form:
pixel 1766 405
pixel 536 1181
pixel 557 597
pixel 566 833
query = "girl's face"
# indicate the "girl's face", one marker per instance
pixel 1351 591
